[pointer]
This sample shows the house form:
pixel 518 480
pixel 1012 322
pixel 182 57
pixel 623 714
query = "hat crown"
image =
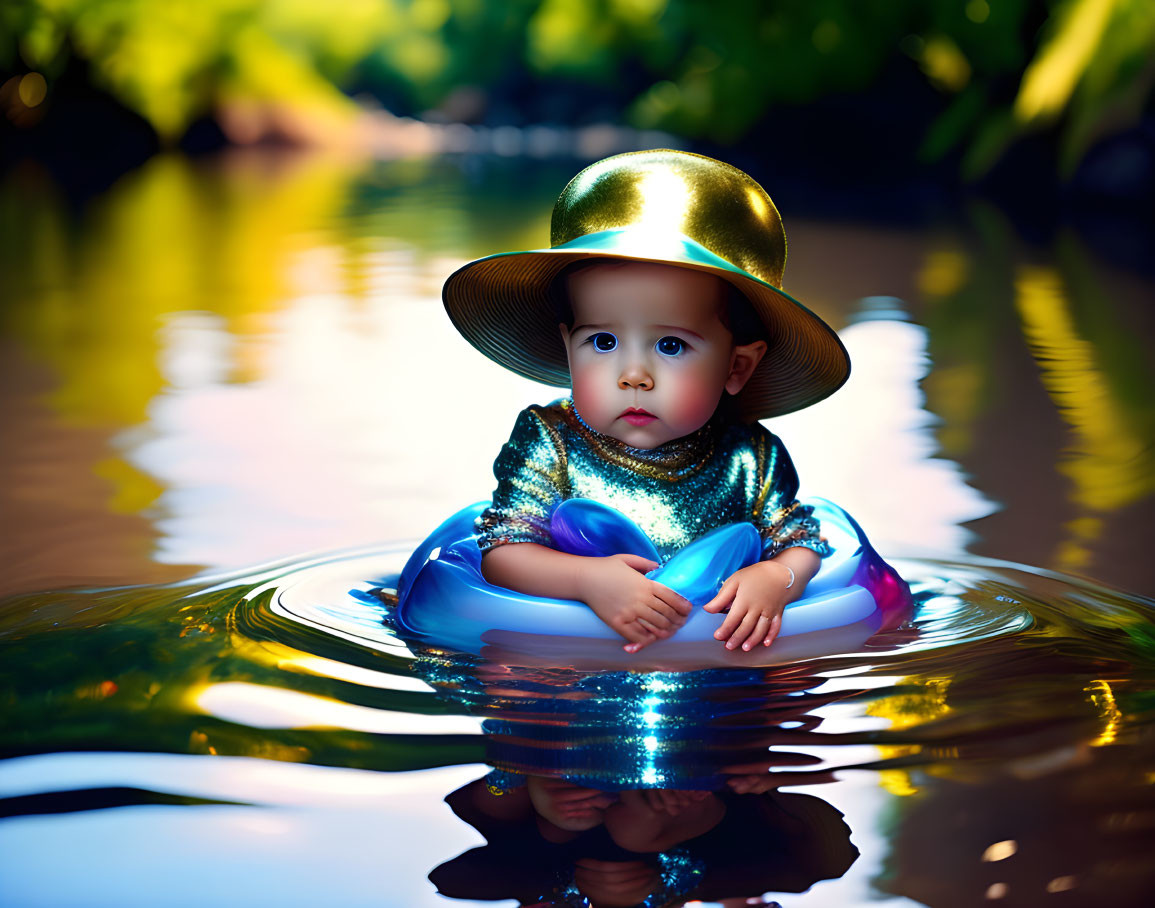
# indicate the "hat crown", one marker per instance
pixel 676 193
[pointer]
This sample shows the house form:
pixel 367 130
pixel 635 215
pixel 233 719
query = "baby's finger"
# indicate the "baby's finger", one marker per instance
pixel 655 633
pixel 653 619
pixel 745 629
pixel 772 632
pixel 724 598
pixel 634 632
pixel 639 639
pixel 733 619
pixel 667 611
pixel 675 600
pixel 759 633
pixel 638 563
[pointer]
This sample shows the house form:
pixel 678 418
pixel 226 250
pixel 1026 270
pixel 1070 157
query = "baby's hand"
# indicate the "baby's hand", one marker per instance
pixel 756 596
pixel 639 609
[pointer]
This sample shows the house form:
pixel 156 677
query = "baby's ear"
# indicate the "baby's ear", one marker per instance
pixel 744 359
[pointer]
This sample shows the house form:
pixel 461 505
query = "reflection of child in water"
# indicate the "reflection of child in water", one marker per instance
pixel 659 303
pixel 619 849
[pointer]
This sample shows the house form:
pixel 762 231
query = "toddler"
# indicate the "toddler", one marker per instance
pixel 660 304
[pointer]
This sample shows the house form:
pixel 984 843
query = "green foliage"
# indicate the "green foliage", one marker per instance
pixel 709 70
pixel 173 60
pixel 1115 82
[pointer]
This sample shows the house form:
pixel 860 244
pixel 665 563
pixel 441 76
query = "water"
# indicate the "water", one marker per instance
pixel 252 376
pixel 1011 712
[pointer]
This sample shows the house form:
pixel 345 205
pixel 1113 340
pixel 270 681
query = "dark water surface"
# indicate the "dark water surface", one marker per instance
pixel 216 366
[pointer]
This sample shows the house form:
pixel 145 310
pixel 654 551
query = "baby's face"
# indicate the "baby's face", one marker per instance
pixel 649 356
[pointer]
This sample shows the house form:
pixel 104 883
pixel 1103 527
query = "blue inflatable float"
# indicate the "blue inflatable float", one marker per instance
pixel 443 600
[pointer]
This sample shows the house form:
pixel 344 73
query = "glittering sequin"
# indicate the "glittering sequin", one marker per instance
pixel 724 473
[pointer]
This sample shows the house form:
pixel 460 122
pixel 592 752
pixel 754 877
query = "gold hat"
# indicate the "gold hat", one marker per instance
pixel 665 207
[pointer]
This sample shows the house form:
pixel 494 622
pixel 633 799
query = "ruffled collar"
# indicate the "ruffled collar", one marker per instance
pixel 674 460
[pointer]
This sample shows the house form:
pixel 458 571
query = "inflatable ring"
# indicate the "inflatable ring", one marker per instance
pixel 444 601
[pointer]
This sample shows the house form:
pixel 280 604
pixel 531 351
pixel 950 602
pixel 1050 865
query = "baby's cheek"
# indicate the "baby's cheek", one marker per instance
pixel 697 400
pixel 584 388
pixel 590 392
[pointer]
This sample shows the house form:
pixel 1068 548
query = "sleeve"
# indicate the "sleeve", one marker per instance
pixel 782 521
pixel 530 473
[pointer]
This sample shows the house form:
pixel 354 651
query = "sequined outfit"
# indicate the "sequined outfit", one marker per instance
pixel 724 473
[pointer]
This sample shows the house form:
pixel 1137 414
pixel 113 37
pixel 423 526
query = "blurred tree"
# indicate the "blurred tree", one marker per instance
pixel 174 61
pixel 710 71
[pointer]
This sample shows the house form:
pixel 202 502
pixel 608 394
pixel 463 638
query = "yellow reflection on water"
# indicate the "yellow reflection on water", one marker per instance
pixel 957 392
pixel 134 490
pixel 925 703
pixel 944 272
pixel 897 782
pixel 94 301
pixel 167 239
pixel 958 388
pixel 253 328
pixel 1104 699
pixel 1069 454
pixel 288 658
pixel 1109 464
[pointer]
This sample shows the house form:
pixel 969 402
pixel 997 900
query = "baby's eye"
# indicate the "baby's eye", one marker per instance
pixel 604 342
pixel 670 346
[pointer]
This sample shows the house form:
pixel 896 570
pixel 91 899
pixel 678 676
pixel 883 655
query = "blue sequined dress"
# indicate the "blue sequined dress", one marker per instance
pixel 724 473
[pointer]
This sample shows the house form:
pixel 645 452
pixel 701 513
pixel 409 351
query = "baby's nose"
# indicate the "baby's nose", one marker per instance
pixel 635 375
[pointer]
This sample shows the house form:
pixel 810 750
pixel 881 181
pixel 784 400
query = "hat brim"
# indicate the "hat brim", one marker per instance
pixel 502 305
